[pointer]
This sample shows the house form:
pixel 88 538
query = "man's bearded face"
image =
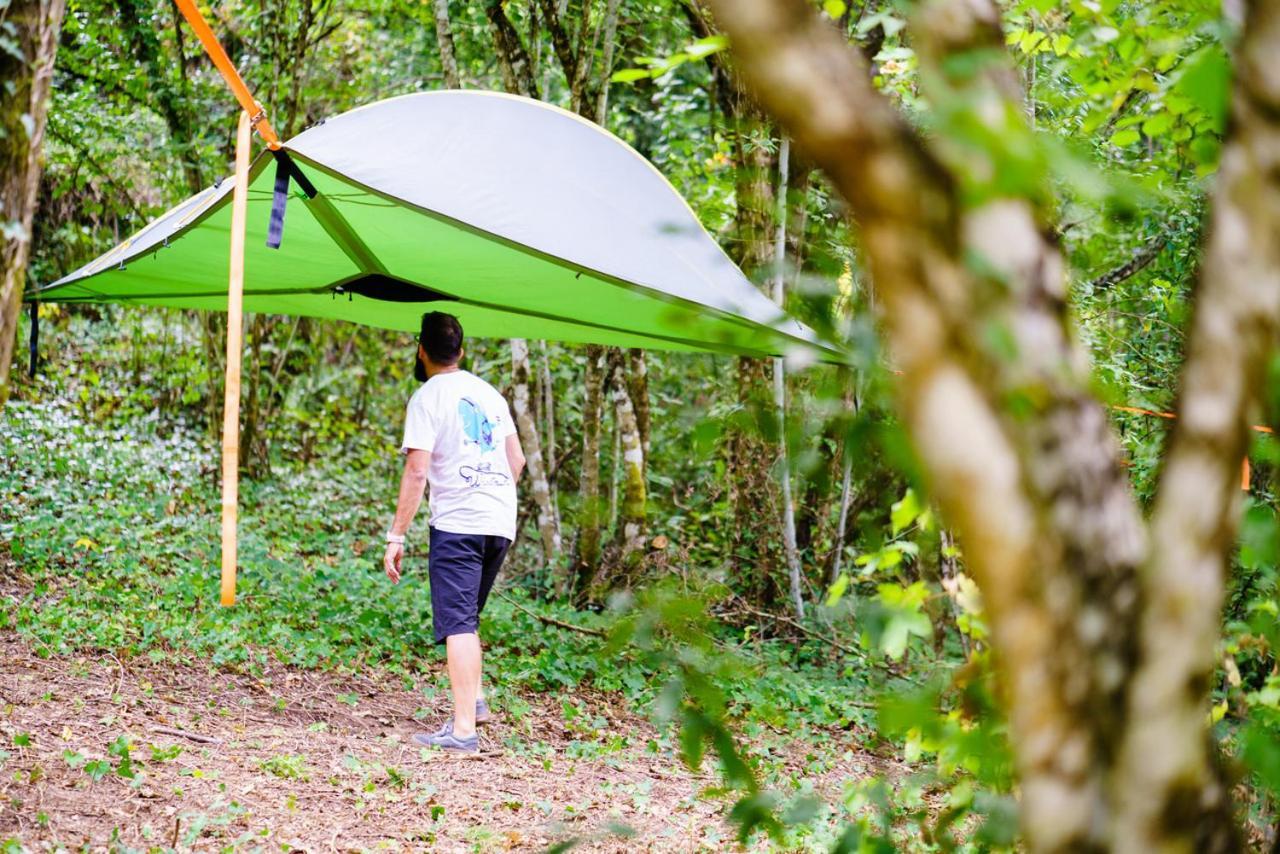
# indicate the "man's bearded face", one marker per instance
pixel 419 369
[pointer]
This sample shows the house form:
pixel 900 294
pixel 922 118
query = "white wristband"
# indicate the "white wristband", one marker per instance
pixel 398 539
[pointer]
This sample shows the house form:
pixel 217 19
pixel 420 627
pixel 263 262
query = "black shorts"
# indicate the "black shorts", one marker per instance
pixel 462 568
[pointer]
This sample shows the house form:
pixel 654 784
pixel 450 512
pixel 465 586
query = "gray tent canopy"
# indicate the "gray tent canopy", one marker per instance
pixel 521 218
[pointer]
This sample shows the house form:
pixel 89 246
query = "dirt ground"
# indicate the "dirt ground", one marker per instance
pixel 303 760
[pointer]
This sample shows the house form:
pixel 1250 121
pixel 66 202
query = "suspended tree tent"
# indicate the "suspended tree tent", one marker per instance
pixel 522 219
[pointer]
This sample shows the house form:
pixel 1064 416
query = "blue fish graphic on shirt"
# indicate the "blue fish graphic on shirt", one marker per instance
pixel 476 425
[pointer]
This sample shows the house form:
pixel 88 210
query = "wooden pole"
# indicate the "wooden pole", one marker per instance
pixel 231 403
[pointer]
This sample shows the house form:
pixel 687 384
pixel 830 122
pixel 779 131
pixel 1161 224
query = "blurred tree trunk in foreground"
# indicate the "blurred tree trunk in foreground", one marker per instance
pixel 1106 647
pixel 33 27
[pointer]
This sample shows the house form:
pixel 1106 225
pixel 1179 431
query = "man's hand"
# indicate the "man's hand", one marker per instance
pixel 391 561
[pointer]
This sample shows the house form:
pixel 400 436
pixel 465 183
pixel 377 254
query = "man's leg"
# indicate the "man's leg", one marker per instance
pixel 463 653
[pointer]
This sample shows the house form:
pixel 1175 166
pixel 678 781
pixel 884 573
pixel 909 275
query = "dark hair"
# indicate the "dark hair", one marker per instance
pixel 441 337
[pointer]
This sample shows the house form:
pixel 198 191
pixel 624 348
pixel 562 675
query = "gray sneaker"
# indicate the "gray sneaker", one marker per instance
pixel 483 715
pixel 444 739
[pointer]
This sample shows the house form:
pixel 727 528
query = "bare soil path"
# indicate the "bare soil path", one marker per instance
pixel 313 761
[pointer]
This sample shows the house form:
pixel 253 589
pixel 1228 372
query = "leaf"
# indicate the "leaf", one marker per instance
pixel 707 46
pixel 1157 124
pixel 834 8
pixel 837 590
pixel 630 75
pixel 905 512
pixel 1122 138
pixel 97 769
pixel 1205 81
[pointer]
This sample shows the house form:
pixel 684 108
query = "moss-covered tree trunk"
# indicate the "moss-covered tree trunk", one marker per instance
pixel 526 423
pixel 631 510
pixel 587 559
pixel 33 26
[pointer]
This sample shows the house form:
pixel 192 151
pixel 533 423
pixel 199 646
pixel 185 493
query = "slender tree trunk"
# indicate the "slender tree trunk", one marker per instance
pixel 588 557
pixel 444 38
pixel 33 26
pixel 846 494
pixel 615 469
pixel 527 425
pixel 638 388
pixel 780 388
pixel 606 69
pixel 631 516
pixel 548 406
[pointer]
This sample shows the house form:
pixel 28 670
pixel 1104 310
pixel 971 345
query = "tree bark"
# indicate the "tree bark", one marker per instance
pixel 780 388
pixel 606 68
pixel 631 515
pixel 513 61
pixel 638 388
pixel 1171 794
pixel 547 403
pixel 587 562
pixel 24 99
pixel 548 530
pixel 444 37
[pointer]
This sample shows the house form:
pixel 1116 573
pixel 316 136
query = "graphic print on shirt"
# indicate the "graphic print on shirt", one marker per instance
pixel 482 474
pixel 476 425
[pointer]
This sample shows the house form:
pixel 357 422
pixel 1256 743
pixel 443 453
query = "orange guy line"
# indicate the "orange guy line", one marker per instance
pixel 235 82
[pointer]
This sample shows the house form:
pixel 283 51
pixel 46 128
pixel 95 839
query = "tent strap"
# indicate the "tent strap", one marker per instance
pixel 286 169
pixel 34 346
pixel 329 217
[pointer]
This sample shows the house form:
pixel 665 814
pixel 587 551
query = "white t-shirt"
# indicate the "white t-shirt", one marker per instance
pixel 464 422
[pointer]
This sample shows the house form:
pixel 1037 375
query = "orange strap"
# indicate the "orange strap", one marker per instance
pixel 1136 411
pixel 257 115
pixel 1245 471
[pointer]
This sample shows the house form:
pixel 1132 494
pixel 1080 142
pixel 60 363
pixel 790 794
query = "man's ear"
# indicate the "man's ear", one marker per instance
pixel 462 354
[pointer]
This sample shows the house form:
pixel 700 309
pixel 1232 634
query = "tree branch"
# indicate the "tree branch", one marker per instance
pixel 1141 257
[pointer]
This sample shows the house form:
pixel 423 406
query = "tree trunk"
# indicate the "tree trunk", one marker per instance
pixel 33 26
pixel 751 457
pixel 780 388
pixel 587 563
pixel 444 37
pixel 606 69
pixel 548 530
pixel 846 493
pixel 1038 499
pixel 1172 794
pixel 547 402
pixel 638 388
pixel 513 61
pixel 631 515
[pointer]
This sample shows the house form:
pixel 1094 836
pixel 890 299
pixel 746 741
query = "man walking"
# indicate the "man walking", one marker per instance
pixel 460 440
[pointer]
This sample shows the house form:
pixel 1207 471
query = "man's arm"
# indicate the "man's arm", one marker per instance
pixel 412 485
pixel 515 456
